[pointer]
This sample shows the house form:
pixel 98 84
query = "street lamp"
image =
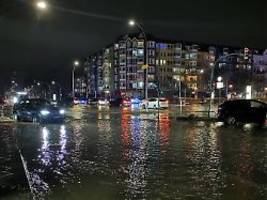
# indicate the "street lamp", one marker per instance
pixel 41 5
pixel 76 64
pixel 54 83
pixel 219 79
pixel 133 23
pixel 213 66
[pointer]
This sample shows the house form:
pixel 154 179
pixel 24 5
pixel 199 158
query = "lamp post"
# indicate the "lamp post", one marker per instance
pixel 133 23
pixel 219 87
pixel 59 88
pixel 213 66
pixel 46 85
pixel 75 65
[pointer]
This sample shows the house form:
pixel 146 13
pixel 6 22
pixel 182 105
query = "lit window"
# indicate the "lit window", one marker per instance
pixel 140 52
pixel 140 44
pixel 134 53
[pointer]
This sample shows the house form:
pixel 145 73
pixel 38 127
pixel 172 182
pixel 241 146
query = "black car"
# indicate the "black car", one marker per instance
pixel 243 111
pixel 37 110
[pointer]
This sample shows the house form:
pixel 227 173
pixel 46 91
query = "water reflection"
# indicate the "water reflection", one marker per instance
pixel 45 153
pixel 141 150
pixel 204 156
pixel 140 156
pixel 136 168
pixel 125 134
pixel 104 142
pixel 164 130
pixel 103 122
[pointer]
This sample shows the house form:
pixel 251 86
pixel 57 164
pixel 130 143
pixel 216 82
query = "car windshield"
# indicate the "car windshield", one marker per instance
pixel 36 102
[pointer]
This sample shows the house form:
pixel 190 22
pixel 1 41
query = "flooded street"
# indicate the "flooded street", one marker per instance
pixel 118 155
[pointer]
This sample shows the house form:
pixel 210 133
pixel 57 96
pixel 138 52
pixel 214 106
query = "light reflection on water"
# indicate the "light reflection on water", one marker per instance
pixel 141 156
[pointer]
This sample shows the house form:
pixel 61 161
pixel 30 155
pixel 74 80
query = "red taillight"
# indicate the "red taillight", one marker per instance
pixel 126 102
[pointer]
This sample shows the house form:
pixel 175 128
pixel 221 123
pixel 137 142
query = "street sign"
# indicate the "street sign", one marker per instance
pixel 220 85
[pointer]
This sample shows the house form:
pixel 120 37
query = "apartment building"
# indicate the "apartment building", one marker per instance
pixel 118 69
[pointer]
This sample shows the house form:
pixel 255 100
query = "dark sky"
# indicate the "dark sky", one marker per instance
pixel 43 45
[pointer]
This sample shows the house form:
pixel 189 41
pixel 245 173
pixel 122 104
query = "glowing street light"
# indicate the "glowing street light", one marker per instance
pixel 76 64
pixel 219 79
pixel 131 22
pixel 41 5
pixel 134 23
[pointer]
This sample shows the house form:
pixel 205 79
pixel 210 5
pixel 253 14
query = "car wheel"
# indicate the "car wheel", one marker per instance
pixel 230 121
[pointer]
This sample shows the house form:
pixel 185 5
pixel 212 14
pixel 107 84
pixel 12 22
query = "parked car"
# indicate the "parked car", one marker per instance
pixel 93 102
pixel 135 103
pixel 163 103
pixel 103 102
pixel 154 103
pixel 37 110
pixel 243 111
pixel 126 102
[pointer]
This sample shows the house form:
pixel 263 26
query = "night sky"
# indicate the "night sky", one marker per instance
pixel 42 45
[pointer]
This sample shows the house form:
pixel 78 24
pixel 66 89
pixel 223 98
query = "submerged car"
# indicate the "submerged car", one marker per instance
pixel 242 111
pixel 37 110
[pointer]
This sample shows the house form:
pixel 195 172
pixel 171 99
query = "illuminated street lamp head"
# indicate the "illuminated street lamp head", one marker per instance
pixel 76 63
pixel 42 5
pixel 131 22
pixel 219 79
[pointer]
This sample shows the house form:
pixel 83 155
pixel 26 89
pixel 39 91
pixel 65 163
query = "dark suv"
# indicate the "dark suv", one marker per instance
pixel 244 111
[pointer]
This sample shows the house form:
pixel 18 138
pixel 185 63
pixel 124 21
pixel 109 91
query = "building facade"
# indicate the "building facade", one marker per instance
pixel 118 69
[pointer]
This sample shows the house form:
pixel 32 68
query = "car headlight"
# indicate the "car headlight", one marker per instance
pixel 45 112
pixel 62 112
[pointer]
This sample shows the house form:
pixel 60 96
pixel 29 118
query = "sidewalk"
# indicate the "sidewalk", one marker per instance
pixel 13 182
pixel 5 120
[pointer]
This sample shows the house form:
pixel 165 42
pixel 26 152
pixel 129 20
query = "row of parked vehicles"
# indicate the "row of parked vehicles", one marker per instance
pixel 151 103
pixel 43 111
pixel 230 112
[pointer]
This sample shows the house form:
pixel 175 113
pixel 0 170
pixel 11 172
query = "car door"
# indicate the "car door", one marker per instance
pixel 258 111
pixel 240 110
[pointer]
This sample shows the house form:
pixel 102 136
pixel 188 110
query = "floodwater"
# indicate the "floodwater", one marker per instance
pixel 118 155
